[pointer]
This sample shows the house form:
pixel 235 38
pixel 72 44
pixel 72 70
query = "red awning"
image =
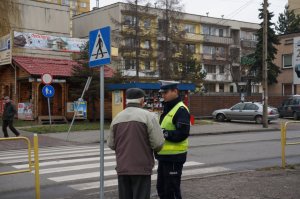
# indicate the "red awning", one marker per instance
pixel 56 67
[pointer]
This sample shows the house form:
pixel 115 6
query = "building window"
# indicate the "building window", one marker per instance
pixel 162 25
pixel 220 52
pixel 83 4
pixel 210 87
pixel 129 64
pixel 248 36
pixel 221 88
pixel 205 30
pixel 147 23
pixel 209 50
pixel 147 44
pixel 221 69
pixel 129 42
pixel 129 20
pixel 191 48
pixel 189 28
pixel 210 68
pixel 221 33
pixel 65 2
pixel 287 60
pixel 147 65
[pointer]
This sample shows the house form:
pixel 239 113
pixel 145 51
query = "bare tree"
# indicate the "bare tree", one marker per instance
pixel 9 16
pixel 132 32
pixel 170 33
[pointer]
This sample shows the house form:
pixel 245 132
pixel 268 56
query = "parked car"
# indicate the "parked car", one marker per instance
pixel 290 107
pixel 250 111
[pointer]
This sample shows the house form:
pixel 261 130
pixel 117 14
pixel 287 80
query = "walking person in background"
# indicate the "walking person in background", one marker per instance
pixel 134 135
pixel 8 117
pixel 175 122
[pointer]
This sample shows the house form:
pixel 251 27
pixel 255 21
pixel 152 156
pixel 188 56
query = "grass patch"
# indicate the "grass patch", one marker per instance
pixel 291 167
pixel 22 123
pixel 77 126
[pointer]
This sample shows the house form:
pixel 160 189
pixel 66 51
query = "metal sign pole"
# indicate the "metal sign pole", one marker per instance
pixel 102 133
pixel 49 110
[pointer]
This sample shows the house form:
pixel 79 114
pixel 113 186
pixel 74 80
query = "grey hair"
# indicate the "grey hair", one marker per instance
pixel 134 101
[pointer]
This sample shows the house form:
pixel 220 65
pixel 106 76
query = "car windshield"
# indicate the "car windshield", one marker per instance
pixel 238 106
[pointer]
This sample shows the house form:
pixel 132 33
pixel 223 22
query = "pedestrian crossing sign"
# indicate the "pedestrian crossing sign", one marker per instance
pixel 99 47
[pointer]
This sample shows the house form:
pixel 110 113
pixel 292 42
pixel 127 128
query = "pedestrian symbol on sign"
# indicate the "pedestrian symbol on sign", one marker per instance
pixel 99 49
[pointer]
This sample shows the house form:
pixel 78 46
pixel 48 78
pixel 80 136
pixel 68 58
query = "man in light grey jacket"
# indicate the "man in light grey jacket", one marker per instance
pixel 134 135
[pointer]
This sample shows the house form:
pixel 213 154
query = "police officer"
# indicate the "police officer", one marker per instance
pixel 175 122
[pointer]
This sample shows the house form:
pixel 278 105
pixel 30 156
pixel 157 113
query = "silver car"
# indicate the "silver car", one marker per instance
pixel 251 111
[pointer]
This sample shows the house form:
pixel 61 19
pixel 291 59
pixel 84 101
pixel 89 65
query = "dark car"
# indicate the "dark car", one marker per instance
pixel 290 107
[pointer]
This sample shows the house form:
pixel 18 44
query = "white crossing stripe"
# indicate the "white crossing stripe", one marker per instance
pixel 75 168
pixel 49 149
pixel 54 157
pixel 114 182
pixel 60 162
pixel 97 174
pixel 58 153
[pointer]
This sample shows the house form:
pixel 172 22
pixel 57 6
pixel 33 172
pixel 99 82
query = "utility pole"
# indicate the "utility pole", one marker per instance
pixel 265 66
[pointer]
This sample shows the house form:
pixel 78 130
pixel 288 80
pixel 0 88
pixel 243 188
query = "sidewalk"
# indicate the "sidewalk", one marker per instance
pixel 262 184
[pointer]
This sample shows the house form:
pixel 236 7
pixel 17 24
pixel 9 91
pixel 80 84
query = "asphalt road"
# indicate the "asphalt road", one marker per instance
pixel 73 172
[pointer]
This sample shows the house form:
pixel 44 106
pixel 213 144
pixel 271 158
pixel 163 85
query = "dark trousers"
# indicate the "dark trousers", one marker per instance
pixel 9 123
pixel 134 186
pixel 168 180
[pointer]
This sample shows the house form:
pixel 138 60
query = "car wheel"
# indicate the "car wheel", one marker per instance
pixel 220 117
pixel 258 119
pixel 295 116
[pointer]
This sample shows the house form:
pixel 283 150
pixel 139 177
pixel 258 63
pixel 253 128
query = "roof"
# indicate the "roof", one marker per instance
pixel 147 86
pixel 56 67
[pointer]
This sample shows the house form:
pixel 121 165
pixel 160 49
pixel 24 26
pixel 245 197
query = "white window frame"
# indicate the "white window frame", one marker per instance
pixel 283 58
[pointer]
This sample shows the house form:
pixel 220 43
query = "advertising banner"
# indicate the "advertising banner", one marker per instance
pixel 25 111
pixel 80 108
pixel 47 42
pixel 5 50
pixel 296 61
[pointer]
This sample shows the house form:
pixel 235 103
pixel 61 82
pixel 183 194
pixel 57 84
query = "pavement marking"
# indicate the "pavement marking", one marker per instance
pixel 75 168
pixel 58 153
pixel 60 162
pixel 49 149
pixel 97 174
pixel 114 182
pixel 54 157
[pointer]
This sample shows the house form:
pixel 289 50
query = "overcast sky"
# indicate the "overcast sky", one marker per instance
pixel 244 10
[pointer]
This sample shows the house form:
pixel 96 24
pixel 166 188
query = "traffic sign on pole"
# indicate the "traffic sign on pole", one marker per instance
pixel 47 78
pixel 99 47
pixel 48 91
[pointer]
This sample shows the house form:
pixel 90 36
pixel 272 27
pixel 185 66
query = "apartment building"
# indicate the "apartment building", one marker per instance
pixel 76 6
pixel 211 40
pixel 287 59
pixel 294 5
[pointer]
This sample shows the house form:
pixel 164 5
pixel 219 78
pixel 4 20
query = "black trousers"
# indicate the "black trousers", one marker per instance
pixel 168 180
pixel 9 123
pixel 134 186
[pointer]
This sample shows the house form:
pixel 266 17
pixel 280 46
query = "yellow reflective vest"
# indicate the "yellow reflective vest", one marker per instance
pixel 172 148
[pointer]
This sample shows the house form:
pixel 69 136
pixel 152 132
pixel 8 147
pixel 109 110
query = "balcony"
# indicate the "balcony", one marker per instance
pixel 218 77
pixel 218 40
pixel 248 43
pixel 193 37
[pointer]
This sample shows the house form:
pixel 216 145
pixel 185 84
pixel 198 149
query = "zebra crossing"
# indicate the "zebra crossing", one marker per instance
pixel 78 166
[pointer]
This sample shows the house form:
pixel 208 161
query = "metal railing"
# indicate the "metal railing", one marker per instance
pixel 284 143
pixel 30 165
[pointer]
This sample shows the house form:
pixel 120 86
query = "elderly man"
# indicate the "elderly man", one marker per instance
pixel 8 117
pixel 134 135
pixel 175 122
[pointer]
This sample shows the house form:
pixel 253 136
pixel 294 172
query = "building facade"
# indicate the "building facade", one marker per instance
pixel 285 59
pixel 294 5
pixel 211 40
pixel 76 6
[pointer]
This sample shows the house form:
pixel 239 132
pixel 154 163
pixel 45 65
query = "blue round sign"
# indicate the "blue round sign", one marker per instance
pixel 48 91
